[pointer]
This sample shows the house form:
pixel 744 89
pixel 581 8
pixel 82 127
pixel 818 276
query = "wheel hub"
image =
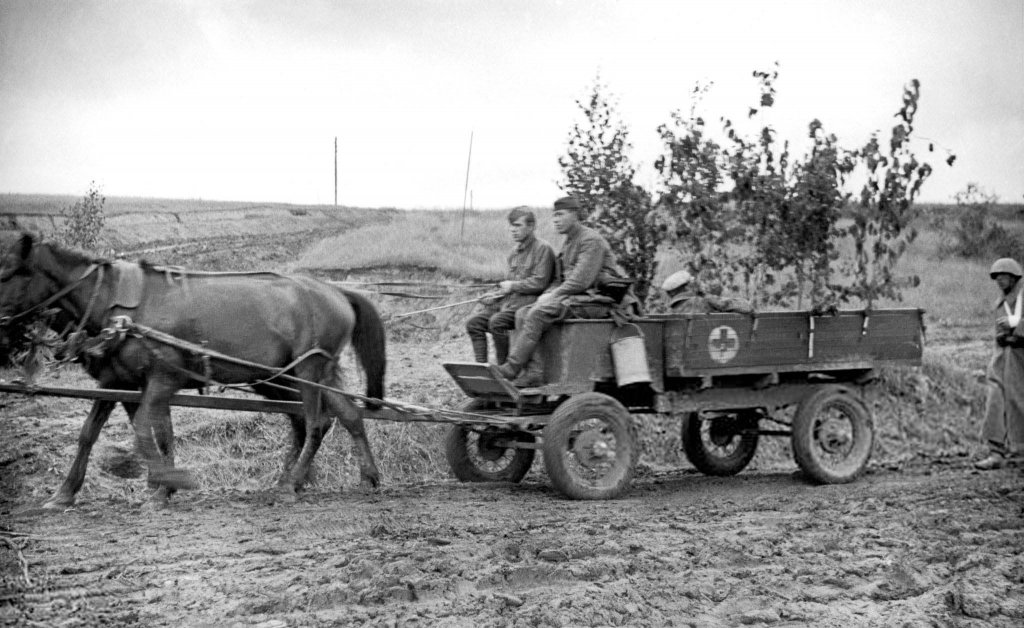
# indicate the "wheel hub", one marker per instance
pixel 488 446
pixel 721 432
pixel 592 447
pixel 833 439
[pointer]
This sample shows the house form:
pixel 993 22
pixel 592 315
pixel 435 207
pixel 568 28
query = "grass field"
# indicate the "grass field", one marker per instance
pixel 52 204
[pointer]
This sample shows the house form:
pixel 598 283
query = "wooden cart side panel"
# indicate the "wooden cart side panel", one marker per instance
pixel 577 354
pixel 708 344
pixel 883 335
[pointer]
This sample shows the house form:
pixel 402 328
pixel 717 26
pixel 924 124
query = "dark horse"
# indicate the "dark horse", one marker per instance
pixel 290 325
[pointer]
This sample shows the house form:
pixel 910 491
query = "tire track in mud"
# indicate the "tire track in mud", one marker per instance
pixel 927 545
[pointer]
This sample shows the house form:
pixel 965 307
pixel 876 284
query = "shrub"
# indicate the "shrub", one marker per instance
pixel 83 221
pixel 977 234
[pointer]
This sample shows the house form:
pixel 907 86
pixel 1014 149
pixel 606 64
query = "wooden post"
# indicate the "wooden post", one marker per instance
pixel 469 159
pixel 335 170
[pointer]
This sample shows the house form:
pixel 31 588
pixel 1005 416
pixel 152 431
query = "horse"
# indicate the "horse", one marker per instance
pixel 200 328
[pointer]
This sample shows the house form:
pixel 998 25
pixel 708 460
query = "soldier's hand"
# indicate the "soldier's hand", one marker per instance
pixel 505 286
pixel 1002 325
pixel 544 298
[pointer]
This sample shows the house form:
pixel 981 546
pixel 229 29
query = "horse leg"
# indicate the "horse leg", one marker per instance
pixel 317 425
pixel 351 419
pixel 98 415
pixel 298 423
pixel 154 437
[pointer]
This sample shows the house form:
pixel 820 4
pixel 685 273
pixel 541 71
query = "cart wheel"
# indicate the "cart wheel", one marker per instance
pixel 590 447
pixel 720 445
pixel 832 435
pixel 478 454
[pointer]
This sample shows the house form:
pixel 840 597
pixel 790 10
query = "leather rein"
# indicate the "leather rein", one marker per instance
pixel 6 321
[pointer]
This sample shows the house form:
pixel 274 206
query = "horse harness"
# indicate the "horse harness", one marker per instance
pixel 128 297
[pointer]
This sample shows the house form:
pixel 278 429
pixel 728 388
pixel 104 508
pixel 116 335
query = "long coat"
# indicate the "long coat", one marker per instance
pixel 1004 407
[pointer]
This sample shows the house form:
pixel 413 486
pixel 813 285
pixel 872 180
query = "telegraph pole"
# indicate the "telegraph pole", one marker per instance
pixel 335 170
pixel 465 190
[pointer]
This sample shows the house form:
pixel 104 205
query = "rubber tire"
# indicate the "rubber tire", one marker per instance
pixel 558 450
pixel 803 438
pixel 706 461
pixel 456 450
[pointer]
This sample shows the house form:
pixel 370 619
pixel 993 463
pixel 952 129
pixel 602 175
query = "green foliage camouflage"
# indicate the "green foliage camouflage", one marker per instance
pixel 747 215
pixel 597 170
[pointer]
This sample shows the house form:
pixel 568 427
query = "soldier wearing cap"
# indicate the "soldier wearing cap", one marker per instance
pixel 1004 403
pixel 530 267
pixel 685 296
pixel 584 265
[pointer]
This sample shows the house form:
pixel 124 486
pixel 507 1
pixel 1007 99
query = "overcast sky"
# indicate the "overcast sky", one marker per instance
pixel 242 100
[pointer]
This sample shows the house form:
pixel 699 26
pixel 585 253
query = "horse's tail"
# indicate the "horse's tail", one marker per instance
pixel 368 340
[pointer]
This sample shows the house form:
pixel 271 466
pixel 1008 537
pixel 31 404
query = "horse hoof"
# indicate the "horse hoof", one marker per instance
pixel 157 503
pixel 173 479
pixel 287 496
pixel 57 503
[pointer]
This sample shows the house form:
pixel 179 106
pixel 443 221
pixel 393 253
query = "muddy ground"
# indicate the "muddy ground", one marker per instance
pixel 918 541
pixel 929 544
pixel 924 542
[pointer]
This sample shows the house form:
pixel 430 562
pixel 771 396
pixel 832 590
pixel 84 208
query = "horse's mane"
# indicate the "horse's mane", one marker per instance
pixel 180 271
pixel 73 254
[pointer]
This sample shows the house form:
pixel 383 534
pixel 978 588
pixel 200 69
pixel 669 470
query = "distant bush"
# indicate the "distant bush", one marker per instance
pixel 83 221
pixel 977 233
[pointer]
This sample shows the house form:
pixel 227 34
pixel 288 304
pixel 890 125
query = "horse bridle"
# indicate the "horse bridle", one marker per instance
pixel 6 321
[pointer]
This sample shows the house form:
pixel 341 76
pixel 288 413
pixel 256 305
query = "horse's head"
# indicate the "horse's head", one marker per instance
pixel 22 285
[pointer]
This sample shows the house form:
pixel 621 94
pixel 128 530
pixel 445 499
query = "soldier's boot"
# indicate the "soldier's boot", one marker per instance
pixel 533 375
pixel 501 343
pixel 479 348
pixel 509 369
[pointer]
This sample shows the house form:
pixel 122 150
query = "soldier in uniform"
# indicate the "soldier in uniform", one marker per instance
pixel 1004 405
pixel 685 296
pixel 530 267
pixel 584 269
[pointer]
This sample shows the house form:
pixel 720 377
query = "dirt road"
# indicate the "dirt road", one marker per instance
pixel 931 544
pixel 926 543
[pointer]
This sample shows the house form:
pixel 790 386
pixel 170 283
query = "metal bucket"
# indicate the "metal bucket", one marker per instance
pixel 629 355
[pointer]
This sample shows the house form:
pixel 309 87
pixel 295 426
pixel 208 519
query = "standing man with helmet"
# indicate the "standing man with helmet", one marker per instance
pixel 685 296
pixel 585 269
pixel 1004 404
pixel 530 267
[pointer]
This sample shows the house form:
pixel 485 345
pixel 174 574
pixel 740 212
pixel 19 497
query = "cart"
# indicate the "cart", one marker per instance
pixel 728 378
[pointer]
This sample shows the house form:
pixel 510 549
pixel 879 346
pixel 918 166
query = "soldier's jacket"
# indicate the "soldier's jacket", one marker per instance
pixel 704 304
pixel 584 263
pixel 531 266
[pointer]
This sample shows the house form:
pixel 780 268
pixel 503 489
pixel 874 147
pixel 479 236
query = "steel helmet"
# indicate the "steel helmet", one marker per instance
pixel 1005 265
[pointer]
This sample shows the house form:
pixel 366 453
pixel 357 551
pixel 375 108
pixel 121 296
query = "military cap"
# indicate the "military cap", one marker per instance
pixel 568 203
pixel 1005 265
pixel 676 280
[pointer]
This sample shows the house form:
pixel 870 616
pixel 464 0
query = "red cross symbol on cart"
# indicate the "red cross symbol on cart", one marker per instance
pixel 723 344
